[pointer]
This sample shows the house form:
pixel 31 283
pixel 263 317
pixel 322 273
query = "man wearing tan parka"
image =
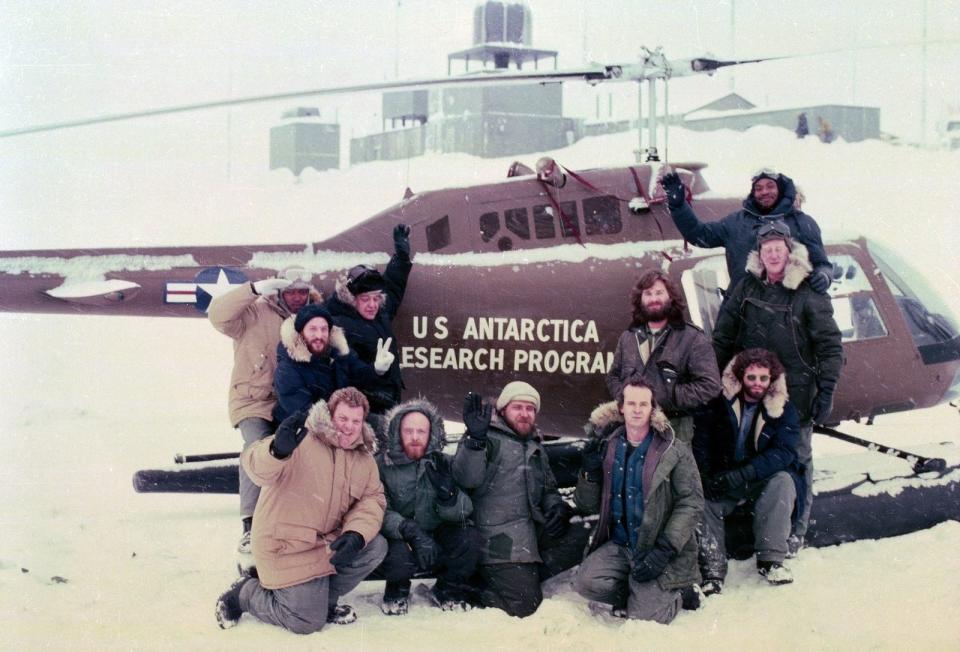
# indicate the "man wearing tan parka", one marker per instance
pixel 317 522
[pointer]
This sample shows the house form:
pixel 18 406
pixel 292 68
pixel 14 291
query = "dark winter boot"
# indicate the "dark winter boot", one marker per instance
pixel 244 546
pixel 775 572
pixel 449 598
pixel 396 598
pixel 691 596
pixel 228 609
pixel 341 614
pixel 711 587
pixel 795 543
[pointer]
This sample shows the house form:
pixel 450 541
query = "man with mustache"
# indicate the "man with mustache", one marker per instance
pixel 672 356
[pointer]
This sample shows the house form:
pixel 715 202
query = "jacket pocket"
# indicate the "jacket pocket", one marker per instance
pixel 292 538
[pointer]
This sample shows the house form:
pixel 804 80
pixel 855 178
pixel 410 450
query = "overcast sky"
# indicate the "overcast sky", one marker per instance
pixel 70 59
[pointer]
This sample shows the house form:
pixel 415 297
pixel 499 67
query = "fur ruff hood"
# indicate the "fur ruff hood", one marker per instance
pixel 438 435
pixel 608 413
pixel 294 343
pixel 347 297
pixel 773 402
pixel 798 266
pixel 320 425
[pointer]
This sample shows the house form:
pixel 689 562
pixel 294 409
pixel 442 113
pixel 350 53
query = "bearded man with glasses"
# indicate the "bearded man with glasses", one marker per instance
pixel 745 447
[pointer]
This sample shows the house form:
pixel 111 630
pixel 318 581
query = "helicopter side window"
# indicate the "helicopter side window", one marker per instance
pixel 702 286
pixel 602 215
pixel 544 220
pixel 854 309
pixel 517 222
pixel 489 225
pixel 438 234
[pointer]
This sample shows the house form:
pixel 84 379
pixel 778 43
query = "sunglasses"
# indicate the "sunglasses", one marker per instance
pixel 773 228
pixel 754 378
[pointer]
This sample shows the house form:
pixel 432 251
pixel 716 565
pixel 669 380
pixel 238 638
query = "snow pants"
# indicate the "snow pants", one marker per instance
pixel 605 577
pixel 460 547
pixel 302 608
pixel 515 587
pixel 805 457
pixel 772 500
pixel 252 429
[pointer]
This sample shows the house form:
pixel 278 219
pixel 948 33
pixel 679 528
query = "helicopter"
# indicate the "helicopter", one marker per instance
pixel 508 281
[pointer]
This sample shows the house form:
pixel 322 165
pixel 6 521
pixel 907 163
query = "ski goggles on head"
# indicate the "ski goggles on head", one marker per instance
pixel 297 274
pixel 773 230
pixel 765 173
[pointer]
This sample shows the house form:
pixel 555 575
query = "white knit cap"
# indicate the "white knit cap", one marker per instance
pixel 518 391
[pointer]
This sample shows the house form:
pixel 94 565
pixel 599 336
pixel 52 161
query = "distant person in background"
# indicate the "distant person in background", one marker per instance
pixel 772 198
pixel 317 523
pixel 251 315
pixel 364 305
pixel 674 357
pixel 802 130
pixel 825 129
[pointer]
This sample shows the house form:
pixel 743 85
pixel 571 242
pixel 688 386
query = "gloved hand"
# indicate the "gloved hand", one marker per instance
pixel 558 519
pixel 729 481
pixel 820 281
pixel 384 358
pixel 674 189
pixel 650 566
pixel 270 285
pixel 476 417
pixel 591 463
pixel 289 435
pixel 401 239
pixel 440 475
pixel 822 407
pixel 338 341
pixel 425 549
pixel 345 547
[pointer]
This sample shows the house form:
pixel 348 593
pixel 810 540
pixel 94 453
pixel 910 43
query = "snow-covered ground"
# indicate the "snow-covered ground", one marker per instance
pixel 86 401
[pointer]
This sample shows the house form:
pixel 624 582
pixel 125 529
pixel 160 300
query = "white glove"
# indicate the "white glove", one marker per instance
pixel 384 357
pixel 270 285
pixel 338 341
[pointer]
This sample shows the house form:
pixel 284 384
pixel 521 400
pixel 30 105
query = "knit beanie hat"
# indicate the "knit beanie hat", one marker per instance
pixel 310 311
pixel 518 391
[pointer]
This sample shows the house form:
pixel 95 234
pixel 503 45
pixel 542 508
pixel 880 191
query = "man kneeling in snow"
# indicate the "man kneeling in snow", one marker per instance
pixel 315 528
pixel 643 481
pixel 746 449
pixel 426 521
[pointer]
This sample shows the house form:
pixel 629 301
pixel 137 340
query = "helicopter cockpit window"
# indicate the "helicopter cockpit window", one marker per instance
pixel 438 234
pixel 517 222
pixel 702 285
pixel 489 225
pixel 602 215
pixel 930 321
pixel 545 218
pixel 854 309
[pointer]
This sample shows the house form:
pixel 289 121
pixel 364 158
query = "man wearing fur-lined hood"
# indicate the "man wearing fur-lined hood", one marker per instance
pixel 643 481
pixel 774 308
pixel 317 522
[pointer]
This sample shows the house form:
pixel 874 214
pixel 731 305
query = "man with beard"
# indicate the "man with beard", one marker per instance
pixel 313 360
pixel 772 198
pixel 672 356
pixel 426 521
pixel 251 315
pixel 315 530
pixel 746 450
pixel 516 505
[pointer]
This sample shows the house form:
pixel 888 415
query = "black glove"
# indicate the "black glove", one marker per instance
pixel 673 187
pixel 591 463
pixel 440 475
pixel 345 547
pixel 820 281
pixel 289 435
pixel 729 481
pixel 476 417
pixel 650 566
pixel 822 407
pixel 401 239
pixel 557 520
pixel 424 547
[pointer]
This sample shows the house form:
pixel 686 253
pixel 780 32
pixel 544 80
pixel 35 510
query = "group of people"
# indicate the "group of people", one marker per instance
pixel 341 481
